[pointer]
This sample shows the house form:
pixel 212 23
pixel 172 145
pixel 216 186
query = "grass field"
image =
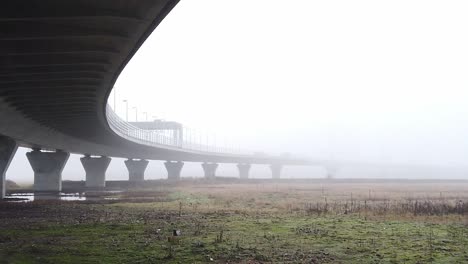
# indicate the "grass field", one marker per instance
pixel 277 222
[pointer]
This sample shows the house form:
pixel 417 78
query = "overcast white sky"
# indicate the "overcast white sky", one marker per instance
pixel 353 80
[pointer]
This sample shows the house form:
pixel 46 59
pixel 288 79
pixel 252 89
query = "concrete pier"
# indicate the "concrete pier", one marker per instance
pixel 95 170
pixel 8 149
pixel 244 170
pixel 210 170
pixel 173 169
pixel 136 169
pixel 47 167
pixel 276 170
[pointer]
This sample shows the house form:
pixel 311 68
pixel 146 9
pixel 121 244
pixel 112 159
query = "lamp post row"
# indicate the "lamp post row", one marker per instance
pixel 189 135
pixel 136 111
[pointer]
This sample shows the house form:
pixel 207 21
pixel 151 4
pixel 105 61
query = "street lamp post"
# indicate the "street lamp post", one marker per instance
pixel 126 112
pixel 136 113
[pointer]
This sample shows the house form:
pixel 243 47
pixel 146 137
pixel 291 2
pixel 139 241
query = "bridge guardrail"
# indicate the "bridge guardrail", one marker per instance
pixel 156 138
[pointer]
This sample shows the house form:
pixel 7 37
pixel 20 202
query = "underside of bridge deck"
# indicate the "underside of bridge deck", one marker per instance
pixel 58 63
pixel 60 59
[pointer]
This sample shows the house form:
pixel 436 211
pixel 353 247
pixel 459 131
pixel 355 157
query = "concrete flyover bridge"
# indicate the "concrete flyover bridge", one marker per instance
pixel 58 63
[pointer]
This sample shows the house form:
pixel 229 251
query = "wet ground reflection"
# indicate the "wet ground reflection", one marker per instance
pixel 78 196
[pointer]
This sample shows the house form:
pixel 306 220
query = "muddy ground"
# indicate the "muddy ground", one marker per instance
pixel 245 223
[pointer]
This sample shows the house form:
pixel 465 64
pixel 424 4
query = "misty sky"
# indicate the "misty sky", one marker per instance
pixel 380 81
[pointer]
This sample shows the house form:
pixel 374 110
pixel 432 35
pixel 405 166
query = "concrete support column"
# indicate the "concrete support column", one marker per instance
pixel 276 170
pixel 210 170
pixel 244 170
pixel 47 167
pixel 95 170
pixel 173 169
pixel 8 149
pixel 136 169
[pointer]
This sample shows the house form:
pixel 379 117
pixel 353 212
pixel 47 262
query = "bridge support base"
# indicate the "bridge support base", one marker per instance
pixel 8 149
pixel 276 170
pixel 210 170
pixel 95 169
pixel 47 167
pixel 136 169
pixel 244 170
pixel 173 169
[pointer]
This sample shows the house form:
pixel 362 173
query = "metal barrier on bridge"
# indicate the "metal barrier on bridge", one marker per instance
pixel 158 138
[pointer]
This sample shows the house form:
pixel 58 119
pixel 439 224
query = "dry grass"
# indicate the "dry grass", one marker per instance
pixel 238 222
pixel 433 201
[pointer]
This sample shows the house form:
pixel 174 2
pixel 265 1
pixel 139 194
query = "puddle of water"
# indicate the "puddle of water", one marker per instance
pixel 29 197
pixel 111 198
pixel 20 197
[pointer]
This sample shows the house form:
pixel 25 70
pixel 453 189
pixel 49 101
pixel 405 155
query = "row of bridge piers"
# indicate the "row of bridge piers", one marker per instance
pixel 48 167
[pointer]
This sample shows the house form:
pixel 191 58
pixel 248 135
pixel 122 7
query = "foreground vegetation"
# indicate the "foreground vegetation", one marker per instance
pixel 243 223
